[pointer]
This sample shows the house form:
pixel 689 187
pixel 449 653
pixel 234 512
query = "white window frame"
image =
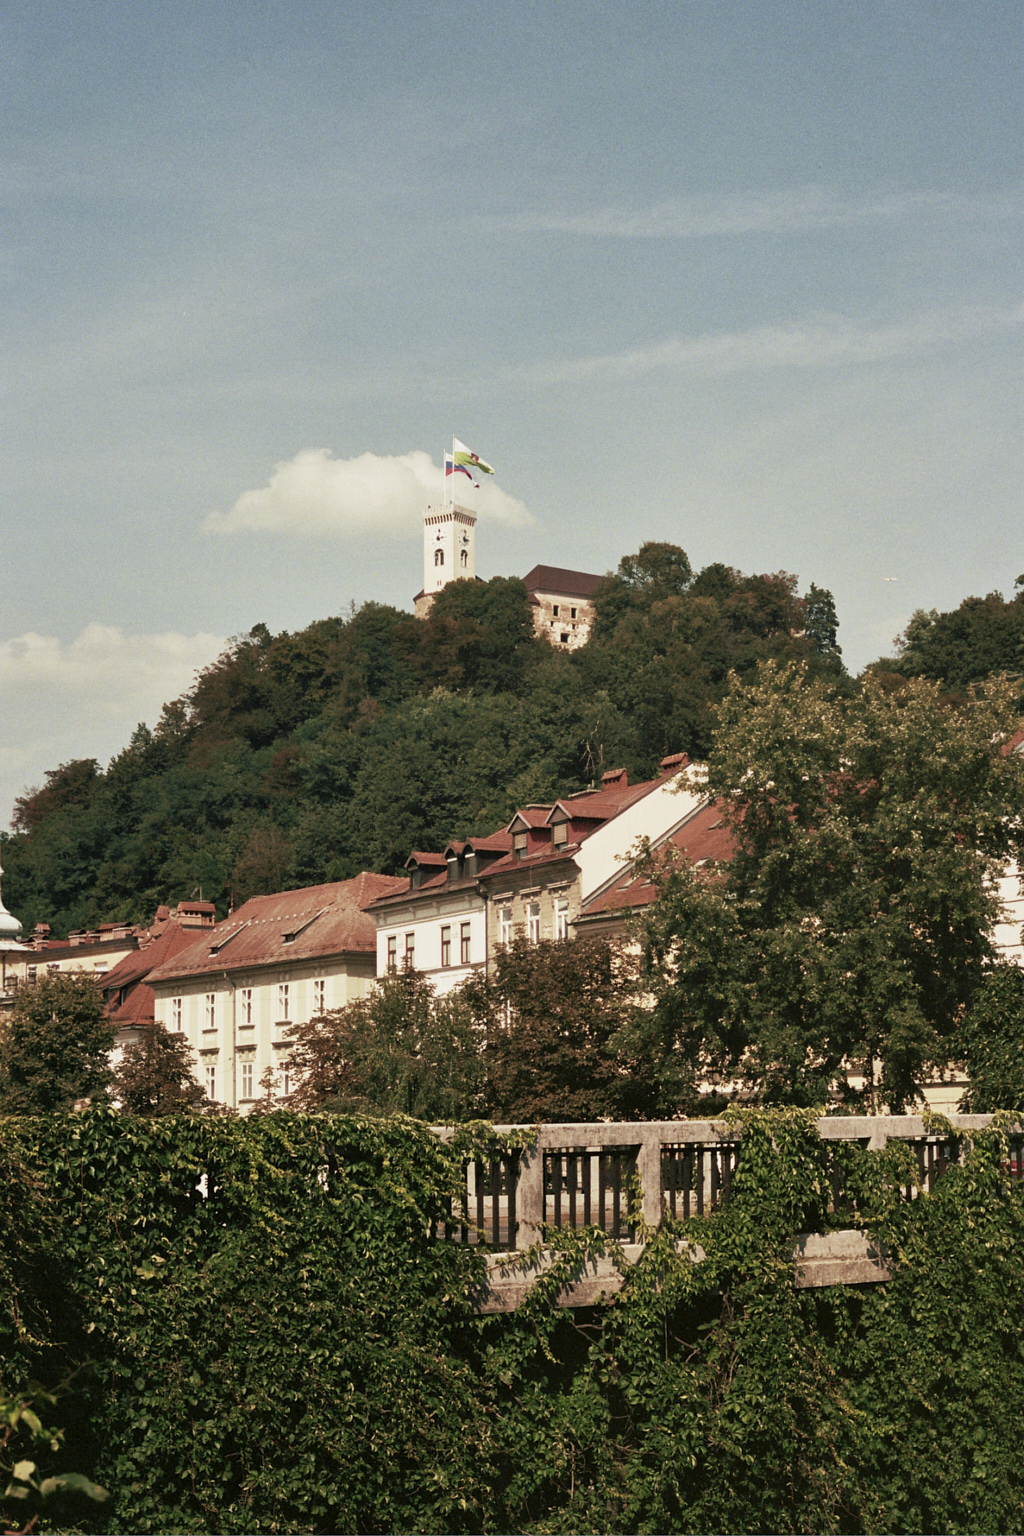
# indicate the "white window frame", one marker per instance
pixel 245 1074
pixel 319 997
pixel 210 1011
pixel 176 1014
pixel 210 1079
pixel 247 1019
pixel 284 1001
pixel 506 927
pixel 561 918
pixel 533 921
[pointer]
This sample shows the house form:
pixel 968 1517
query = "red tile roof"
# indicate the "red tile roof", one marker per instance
pixel 288 926
pixel 494 842
pixel 553 578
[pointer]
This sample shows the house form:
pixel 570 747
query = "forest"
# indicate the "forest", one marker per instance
pixel 300 758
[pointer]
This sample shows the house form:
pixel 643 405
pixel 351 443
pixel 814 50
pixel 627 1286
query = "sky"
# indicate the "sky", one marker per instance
pixel 744 277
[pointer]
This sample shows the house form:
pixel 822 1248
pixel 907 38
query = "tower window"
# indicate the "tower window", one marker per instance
pixel 465 557
pixel 439 557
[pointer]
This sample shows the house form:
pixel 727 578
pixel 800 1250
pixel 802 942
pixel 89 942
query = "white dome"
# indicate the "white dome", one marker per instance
pixel 10 927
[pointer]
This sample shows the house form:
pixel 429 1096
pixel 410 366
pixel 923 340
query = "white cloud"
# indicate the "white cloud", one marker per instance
pixel 316 496
pixel 60 701
pixel 831 341
pixel 792 211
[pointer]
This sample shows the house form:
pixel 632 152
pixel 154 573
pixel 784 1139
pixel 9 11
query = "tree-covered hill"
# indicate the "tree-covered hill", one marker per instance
pixel 981 637
pixel 297 758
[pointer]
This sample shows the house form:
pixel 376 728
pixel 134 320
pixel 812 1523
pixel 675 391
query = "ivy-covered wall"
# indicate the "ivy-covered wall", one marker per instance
pixel 268 1338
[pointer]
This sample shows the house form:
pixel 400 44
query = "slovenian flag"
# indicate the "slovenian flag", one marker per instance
pixel 451 468
pixel 465 458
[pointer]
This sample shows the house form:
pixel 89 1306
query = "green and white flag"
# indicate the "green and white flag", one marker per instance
pixel 467 459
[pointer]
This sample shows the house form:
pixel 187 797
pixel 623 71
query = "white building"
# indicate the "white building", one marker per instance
pixel 532 878
pixel 279 960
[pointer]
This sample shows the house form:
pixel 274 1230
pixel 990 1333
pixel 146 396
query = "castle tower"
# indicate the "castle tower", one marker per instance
pixel 449 552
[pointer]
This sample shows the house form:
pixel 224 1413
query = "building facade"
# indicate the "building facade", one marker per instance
pixel 279 960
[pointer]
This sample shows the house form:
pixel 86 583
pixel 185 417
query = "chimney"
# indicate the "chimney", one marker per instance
pixel 615 778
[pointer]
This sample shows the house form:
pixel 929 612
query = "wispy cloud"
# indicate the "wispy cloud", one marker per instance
pixel 316 496
pixel 831 341
pixel 791 211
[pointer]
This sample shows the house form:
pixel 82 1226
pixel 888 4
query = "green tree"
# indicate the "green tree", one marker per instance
pixel 54 1046
pixel 991 1043
pixel 155 1075
pixel 401 1048
pixel 552 1015
pixel 853 925
pixel 821 624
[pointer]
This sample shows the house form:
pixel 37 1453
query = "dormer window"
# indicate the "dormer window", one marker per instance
pixel 560 833
pixel 520 841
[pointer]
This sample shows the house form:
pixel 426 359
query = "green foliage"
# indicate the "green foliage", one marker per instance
pixel 280 1343
pixel 990 1041
pixel 551 1015
pixel 155 1074
pixel 299 758
pixel 54 1045
pixel 982 637
pixel 402 1049
pixel 854 922
pixel 28 1449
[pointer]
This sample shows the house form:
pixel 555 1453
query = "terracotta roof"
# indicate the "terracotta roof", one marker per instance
pixel 603 804
pixel 704 838
pixel 532 816
pixel 289 926
pixel 139 1007
pixel 426 858
pixel 553 578
pixel 494 842
pixel 510 865
pixel 171 939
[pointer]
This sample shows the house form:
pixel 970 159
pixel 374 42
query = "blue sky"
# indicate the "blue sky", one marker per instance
pixel 743 277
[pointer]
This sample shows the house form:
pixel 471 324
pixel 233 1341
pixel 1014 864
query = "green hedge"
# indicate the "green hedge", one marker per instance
pixel 278 1343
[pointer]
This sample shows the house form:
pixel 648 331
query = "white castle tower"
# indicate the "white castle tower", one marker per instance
pixel 449 552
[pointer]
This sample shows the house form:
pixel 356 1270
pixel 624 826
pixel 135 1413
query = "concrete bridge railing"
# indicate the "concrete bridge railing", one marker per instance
pixel 584 1175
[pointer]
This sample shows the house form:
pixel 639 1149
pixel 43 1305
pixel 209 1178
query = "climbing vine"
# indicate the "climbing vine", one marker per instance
pixel 269 1336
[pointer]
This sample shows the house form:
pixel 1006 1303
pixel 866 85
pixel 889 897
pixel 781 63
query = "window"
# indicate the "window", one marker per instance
pixel 560 834
pixel 439 557
pixel 176 1013
pixel 210 1011
pixel 410 951
pixel 246 996
pixel 392 951
pixel 283 1001
pixel 465 558
pixel 286 1078
pixel 572 613
pixel 562 918
pixel 446 946
pixel 246 1090
pixel 319 997
pixel 519 841
pixel 533 921
pixel 505 925
pixel 465 943
pixel 554 609
pixel 564 639
pixel 211 1082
